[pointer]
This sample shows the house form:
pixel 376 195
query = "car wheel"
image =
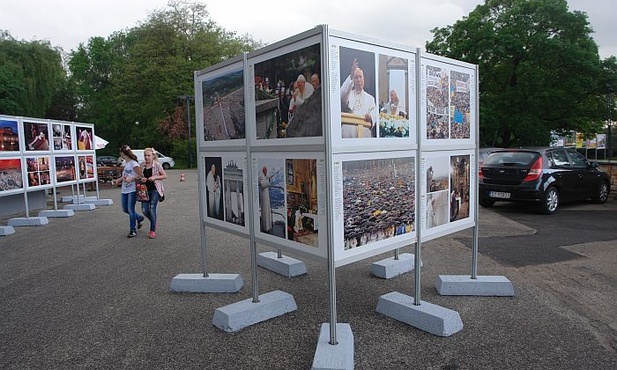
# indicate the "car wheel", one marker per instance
pixel 550 202
pixel 484 202
pixel 166 166
pixel 601 193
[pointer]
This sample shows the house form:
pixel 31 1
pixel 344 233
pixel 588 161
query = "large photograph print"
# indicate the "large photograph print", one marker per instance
pixel 36 136
pixel 448 104
pixel 62 137
pixel 289 211
pixel 214 188
pixel 86 167
pixel 359 109
pixel 372 96
pixel 271 184
pixel 234 196
pixel 85 138
pixel 38 171
pixel 9 135
pixel 223 107
pixel 378 200
pixel 65 169
pixel 288 97
pixel 226 190
pixel 10 175
pixel 447 187
pixel 394 86
pixel 301 201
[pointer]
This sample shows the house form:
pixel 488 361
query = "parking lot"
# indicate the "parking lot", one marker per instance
pixel 77 294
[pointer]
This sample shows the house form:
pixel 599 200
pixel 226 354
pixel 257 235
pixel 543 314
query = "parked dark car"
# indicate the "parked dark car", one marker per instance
pixel 108 160
pixel 484 152
pixel 542 176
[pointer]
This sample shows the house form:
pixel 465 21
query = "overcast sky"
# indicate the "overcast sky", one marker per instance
pixel 66 23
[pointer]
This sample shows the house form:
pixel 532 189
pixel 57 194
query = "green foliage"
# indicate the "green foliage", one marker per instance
pixel 539 69
pixel 136 75
pixel 31 75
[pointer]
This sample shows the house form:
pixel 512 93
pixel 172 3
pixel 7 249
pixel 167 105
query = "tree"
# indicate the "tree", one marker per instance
pixel 31 73
pixel 539 69
pixel 137 74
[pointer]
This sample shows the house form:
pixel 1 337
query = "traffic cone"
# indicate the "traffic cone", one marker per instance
pixel 182 178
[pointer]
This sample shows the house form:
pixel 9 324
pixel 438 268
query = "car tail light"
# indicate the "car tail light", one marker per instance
pixel 480 173
pixel 535 172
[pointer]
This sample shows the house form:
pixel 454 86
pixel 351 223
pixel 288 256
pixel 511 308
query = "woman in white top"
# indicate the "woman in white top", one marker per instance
pixel 130 175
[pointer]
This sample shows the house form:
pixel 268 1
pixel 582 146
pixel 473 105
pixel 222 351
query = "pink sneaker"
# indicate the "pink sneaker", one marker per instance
pixel 152 235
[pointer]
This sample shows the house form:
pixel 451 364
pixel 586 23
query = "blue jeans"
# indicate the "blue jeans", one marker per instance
pixel 128 207
pixel 149 208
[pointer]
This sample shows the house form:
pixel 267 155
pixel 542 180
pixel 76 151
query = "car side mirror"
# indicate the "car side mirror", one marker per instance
pixel 592 164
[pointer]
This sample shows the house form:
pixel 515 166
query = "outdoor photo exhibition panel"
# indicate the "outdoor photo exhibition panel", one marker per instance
pixel 448 104
pixel 39 172
pixel 289 202
pixel 372 96
pixel 11 176
pixel 448 185
pixel 9 136
pixel 40 154
pixel 286 101
pixel 388 111
pixel 221 139
pixel 63 134
pixel 220 106
pixel 11 171
pixel 374 204
pixel 225 191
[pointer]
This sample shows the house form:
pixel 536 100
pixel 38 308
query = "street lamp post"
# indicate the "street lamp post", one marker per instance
pixel 187 99
pixel 136 136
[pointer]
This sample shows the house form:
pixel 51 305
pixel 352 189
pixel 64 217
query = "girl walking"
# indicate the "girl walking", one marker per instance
pixel 130 174
pixel 153 176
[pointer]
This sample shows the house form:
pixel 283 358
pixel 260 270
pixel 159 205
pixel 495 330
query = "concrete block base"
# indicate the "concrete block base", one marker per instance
pixel 390 267
pixel 100 202
pixel 57 213
pixel 481 286
pixel 213 283
pixel 28 221
pixel 72 199
pixel 80 207
pixel 285 266
pixel 239 315
pixel 6 230
pixel 431 318
pixel 339 356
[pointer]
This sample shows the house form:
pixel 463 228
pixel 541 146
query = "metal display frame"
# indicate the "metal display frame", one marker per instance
pixel 424 74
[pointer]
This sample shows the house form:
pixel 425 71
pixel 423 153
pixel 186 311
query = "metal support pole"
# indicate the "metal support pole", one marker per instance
pixel 418 219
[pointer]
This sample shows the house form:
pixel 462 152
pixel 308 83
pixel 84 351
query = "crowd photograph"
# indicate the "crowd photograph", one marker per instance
pixel 378 200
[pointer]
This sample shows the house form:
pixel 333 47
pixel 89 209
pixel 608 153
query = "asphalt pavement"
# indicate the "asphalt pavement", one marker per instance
pixel 78 294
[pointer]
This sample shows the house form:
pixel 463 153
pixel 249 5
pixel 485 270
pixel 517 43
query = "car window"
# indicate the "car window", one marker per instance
pixel 578 159
pixel 559 158
pixel 511 158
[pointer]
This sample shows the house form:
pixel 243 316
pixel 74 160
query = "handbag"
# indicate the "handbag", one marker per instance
pixel 142 193
pixel 162 198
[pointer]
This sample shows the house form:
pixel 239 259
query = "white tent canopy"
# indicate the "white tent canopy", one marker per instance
pixel 99 142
